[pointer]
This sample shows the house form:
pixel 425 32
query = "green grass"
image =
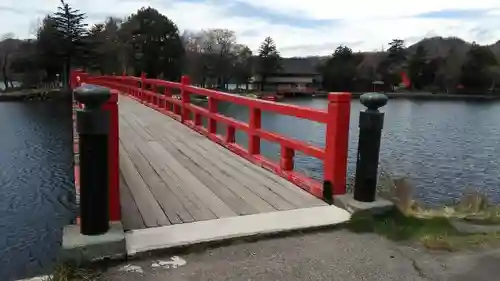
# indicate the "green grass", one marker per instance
pixel 396 226
pixel 433 232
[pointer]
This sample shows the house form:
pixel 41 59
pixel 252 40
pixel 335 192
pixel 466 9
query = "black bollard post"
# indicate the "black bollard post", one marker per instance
pixel 371 122
pixel 93 129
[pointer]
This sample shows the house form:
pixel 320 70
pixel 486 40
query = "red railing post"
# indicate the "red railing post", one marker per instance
pixel 153 97
pixel 254 124
pixel 84 77
pixel 124 84
pixel 212 123
pixel 143 86
pixel 185 98
pixel 113 157
pixel 230 134
pixel 73 81
pixel 168 105
pixel 336 141
pixel 286 160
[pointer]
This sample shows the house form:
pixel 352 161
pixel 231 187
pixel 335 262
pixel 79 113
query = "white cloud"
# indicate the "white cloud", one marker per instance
pixel 364 24
pixel 366 9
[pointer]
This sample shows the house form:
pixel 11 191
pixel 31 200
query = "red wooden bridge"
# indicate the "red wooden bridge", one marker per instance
pixel 174 181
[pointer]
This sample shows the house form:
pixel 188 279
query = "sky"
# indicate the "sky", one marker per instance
pixel 299 27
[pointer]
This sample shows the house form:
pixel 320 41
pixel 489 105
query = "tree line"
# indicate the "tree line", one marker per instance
pixel 477 71
pixel 145 42
pixel 148 41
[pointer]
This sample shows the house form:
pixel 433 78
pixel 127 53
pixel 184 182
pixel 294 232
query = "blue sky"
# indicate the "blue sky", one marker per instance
pixel 300 28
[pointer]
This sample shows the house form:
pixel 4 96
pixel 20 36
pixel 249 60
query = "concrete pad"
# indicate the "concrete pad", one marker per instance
pixel 347 202
pixel 171 236
pixel 83 248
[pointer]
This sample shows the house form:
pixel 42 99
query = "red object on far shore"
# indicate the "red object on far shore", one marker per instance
pixel 406 81
pixel 269 98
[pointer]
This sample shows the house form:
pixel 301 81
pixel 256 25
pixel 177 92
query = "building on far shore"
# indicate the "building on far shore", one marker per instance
pixel 297 75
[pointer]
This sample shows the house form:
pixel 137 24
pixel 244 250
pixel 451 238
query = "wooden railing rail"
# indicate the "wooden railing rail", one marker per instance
pixel 174 100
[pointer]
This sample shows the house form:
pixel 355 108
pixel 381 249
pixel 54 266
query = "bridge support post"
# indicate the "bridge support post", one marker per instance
pixel 371 122
pixel 185 98
pixel 336 144
pixel 93 129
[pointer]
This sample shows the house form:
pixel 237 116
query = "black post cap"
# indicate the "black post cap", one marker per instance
pixel 373 101
pixel 92 95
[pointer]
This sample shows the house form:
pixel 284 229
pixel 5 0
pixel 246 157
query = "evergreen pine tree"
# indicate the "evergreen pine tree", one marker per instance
pixel 269 60
pixel 70 24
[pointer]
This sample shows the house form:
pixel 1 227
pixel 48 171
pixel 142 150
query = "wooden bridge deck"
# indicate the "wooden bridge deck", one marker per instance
pixel 170 174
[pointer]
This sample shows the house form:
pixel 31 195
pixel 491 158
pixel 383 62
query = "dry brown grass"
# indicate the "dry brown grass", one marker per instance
pixel 431 226
pixel 70 272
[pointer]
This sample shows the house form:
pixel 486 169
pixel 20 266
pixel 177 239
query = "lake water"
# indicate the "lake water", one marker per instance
pixel 443 146
pixel 36 184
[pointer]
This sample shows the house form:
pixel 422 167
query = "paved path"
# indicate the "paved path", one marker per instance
pixel 329 255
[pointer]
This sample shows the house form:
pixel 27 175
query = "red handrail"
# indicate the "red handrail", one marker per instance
pixel 336 118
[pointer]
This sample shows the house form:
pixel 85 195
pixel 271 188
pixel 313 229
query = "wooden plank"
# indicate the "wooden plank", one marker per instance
pixel 131 217
pixel 240 200
pixel 263 188
pixel 211 159
pixel 168 201
pixel 247 171
pixel 186 196
pixel 207 197
pixel 188 210
pixel 210 173
pixel 149 208
pixel 211 200
pixel 136 127
pixel 282 187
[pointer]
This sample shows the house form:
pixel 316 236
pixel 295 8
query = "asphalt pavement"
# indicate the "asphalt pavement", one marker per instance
pixel 326 255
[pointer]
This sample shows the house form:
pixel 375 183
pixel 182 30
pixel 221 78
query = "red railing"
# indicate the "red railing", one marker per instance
pixel 159 95
pixel 77 78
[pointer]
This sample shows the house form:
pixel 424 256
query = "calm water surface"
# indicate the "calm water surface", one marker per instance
pixel 36 184
pixel 443 146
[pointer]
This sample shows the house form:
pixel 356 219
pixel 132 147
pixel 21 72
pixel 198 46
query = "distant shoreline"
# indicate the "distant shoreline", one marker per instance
pixel 33 94
pixel 425 96
pixel 428 96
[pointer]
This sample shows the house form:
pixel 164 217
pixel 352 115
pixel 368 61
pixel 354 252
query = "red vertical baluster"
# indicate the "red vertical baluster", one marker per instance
pixel 286 160
pixel 253 138
pixel 185 98
pixel 212 123
pixel 336 141
pixel 230 134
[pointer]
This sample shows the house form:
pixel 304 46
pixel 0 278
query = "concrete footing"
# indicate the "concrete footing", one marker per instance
pixel 224 229
pixel 347 202
pixel 82 248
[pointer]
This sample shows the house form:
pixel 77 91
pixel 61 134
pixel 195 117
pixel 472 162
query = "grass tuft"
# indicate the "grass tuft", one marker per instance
pixel 71 272
pixel 436 233
pixel 431 226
